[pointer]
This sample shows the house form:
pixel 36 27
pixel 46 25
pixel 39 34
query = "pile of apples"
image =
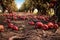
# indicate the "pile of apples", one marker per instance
pixel 10 16
pixel 40 21
pixel 47 26
pixel 13 16
pixel 23 17
pixel 11 25
pixel 43 22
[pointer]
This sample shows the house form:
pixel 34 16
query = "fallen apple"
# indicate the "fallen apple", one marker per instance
pixel 10 25
pixel 50 25
pixel 15 28
pixel 42 17
pixel 39 24
pixel 55 26
pixel 45 27
pixel 31 23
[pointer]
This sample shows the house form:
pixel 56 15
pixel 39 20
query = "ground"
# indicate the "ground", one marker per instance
pixel 27 32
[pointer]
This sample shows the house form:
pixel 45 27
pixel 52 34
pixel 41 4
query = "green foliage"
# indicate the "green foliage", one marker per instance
pixel 32 4
pixel 26 5
pixel 9 5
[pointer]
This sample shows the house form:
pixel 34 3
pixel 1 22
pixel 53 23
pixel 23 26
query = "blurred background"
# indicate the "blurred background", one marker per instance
pixel 28 5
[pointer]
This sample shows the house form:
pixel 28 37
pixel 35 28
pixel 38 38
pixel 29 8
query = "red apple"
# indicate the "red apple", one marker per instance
pixel 42 17
pixel 39 24
pixel 46 18
pixel 55 26
pixel 10 25
pixel 45 27
pixel 50 25
pixel 31 23
pixel 15 28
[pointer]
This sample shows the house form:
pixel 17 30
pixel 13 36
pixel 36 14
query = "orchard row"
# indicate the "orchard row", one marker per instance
pixel 40 21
